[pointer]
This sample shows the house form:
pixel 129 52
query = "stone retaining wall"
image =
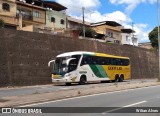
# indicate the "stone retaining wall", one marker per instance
pixel 24 56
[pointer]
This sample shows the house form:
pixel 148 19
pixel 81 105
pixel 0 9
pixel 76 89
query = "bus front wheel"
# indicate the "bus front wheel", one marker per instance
pixel 68 84
pixel 82 80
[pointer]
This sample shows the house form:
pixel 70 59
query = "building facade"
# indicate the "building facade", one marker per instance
pixel 55 20
pixel 74 25
pixel 8 13
pixel 110 30
pixel 128 37
pixel 55 16
pixel 30 15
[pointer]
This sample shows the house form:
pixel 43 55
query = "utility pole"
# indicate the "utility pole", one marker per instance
pixel 158 8
pixel 132 34
pixel 83 22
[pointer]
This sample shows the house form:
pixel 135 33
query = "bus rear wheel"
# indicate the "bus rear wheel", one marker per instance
pixel 82 80
pixel 121 78
pixel 116 78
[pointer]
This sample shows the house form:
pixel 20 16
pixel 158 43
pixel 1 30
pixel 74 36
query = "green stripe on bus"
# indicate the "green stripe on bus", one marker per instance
pixel 102 71
pixel 96 70
pixel 99 71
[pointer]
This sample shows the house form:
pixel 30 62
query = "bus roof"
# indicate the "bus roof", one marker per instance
pixel 89 53
pixel 75 53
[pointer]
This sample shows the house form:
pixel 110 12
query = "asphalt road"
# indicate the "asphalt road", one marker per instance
pixel 18 91
pixel 142 97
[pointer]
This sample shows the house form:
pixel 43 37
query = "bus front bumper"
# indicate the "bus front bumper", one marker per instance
pixel 59 80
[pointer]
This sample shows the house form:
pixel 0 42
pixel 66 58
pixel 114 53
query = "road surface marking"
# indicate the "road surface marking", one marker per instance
pixel 34 104
pixel 104 113
pixel 135 104
pixel 64 88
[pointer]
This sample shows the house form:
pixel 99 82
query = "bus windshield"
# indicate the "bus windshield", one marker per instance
pixel 61 67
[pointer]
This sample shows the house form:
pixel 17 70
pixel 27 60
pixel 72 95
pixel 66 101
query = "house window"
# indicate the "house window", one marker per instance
pixel 6 7
pixel 62 21
pixel 127 38
pixel 134 40
pixel 116 41
pixel 18 11
pixel 53 20
pixel 36 14
pixel 110 34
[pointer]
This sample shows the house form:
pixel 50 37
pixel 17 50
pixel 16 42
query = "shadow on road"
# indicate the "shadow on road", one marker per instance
pixel 89 83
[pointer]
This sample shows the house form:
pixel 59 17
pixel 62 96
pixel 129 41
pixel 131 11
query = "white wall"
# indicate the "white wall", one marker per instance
pixel 126 39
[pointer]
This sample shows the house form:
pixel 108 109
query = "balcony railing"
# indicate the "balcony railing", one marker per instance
pixel 25 17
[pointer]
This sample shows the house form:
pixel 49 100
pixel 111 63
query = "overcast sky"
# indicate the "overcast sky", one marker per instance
pixel 142 13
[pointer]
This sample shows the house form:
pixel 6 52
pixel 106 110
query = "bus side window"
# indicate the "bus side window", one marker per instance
pixel 125 62
pixel 72 65
pixel 113 61
pixel 95 60
pixel 119 61
pixel 84 60
pixel 122 62
pixel 110 61
pixel 102 61
pixel 89 60
pixel 107 61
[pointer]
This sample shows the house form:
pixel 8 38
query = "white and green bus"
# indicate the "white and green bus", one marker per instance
pixel 81 67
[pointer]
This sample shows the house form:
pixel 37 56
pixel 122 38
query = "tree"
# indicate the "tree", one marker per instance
pixel 1 23
pixel 89 32
pixel 153 37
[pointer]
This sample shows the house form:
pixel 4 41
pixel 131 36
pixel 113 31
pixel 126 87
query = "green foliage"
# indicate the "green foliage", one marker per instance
pixel 89 32
pixel 1 23
pixel 153 36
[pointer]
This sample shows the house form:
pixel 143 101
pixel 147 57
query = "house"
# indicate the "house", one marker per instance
pixel 74 25
pixel 30 14
pixel 55 16
pixel 110 31
pixel 8 13
pixel 128 37
pixel 41 16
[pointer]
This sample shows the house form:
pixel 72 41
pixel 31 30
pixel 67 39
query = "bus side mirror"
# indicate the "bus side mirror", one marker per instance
pixel 49 63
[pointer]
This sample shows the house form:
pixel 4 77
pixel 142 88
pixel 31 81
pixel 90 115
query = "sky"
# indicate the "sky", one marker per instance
pixel 142 14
